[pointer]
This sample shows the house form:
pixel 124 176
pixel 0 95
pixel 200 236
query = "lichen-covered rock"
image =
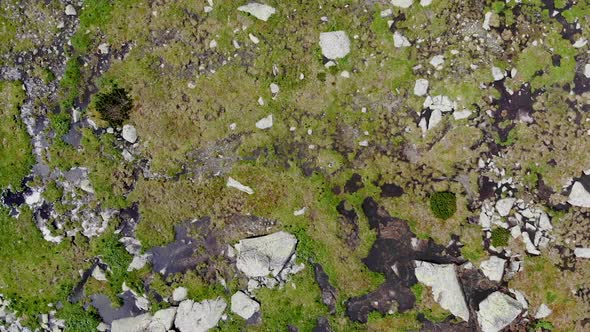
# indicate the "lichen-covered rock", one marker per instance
pixel 243 305
pixel 199 316
pixel 264 255
pixel 493 268
pixel 335 44
pixel 497 311
pixel 579 196
pixel 260 11
pixel 446 290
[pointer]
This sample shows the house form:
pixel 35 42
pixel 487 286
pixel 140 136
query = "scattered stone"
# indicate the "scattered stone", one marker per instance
pixel 529 246
pixel 129 133
pixel 300 212
pixel 253 38
pixel 179 294
pixel 460 115
pixel 425 3
pixel 441 103
pixel 437 61
pixel 582 252
pixel 132 324
pixel 446 290
pixel 400 41
pixel 265 122
pixel 543 312
pixel 199 316
pixel 498 73
pixel 103 48
pixel 232 183
pixel 260 11
pixel 579 196
pixel 387 12
pixel 504 205
pixel 213 43
pixel 70 10
pixel 274 88
pixel 587 70
pixel 421 87
pixel 345 74
pixel 264 255
pixel 243 305
pixel 580 42
pixel 497 311
pixel 493 268
pixel 486 20
pixel 335 44
pixel 402 3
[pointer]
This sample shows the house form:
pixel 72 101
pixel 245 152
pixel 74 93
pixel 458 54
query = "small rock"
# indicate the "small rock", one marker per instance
pixel 260 11
pixel 529 246
pixel 498 73
pixel 543 312
pixel 253 38
pixel 582 252
pixel 274 88
pixel 70 10
pixel 504 205
pixel 213 43
pixel 425 3
pixel 232 183
pixel 579 196
pixel 400 41
pixel 345 74
pixel 460 115
pixel 486 20
pixel 493 268
pixel 335 44
pixel 437 61
pixel 300 212
pixel 243 305
pixel 580 42
pixel 179 294
pixel 587 70
pixel 421 87
pixel 402 3
pixel 129 133
pixel 103 48
pixel 265 122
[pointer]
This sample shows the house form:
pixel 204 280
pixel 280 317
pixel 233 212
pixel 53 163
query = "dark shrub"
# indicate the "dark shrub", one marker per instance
pixel 443 204
pixel 114 106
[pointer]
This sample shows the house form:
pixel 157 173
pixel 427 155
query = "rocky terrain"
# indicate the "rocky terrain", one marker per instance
pixel 195 165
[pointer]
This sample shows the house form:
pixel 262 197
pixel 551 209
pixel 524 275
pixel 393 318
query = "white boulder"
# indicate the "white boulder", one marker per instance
pixel 543 312
pixel 498 73
pixel 497 311
pixel 504 205
pixel 179 294
pixel 421 87
pixel 264 255
pixel 400 41
pixel 258 10
pixel 579 196
pixel 132 324
pixel 493 268
pixel 199 316
pixel 335 44
pixel 129 133
pixel 70 10
pixel 243 305
pixel 582 252
pixel 265 122
pixel 402 3
pixel 446 290
pixel 233 183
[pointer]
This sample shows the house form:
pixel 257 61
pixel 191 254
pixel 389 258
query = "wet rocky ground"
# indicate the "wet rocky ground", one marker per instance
pixel 338 166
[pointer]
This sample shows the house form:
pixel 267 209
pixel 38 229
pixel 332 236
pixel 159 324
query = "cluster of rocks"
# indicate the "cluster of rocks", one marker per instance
pixel 9 322
pixel 524 221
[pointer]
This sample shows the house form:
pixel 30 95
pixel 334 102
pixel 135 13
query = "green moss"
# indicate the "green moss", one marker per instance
pixel 543 325
pixel 16 157
pixel 443 204
pixel 78 319
pixel 500 237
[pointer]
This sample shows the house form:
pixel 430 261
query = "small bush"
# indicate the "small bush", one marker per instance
pixel 443 204
pixel 114 106
pixel 500 237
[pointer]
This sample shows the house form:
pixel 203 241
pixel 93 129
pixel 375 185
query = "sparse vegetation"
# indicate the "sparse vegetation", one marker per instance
pixel 500 237
pixel 114 106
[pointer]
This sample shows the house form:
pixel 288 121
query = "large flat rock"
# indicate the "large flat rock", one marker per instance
pixel 446 290
pixel 497 311
pixel 264 255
